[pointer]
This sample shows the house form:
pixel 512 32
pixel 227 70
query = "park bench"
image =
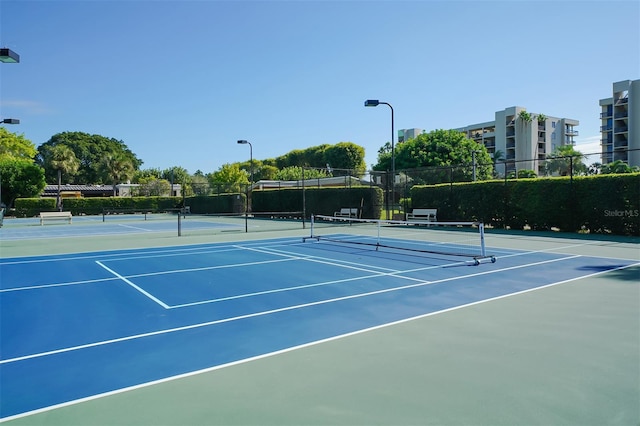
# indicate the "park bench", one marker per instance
pixel 347 212
pixel 422 215
pixel 54 215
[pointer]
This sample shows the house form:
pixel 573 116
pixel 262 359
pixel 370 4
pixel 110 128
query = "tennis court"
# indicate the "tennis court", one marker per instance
pixel 275 327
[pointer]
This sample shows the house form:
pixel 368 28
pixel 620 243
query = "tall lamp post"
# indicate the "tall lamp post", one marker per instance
pixel 243 142
pixel 7 56
pixel 375 103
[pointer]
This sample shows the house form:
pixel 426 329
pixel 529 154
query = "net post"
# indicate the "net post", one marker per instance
pixel 482 249
pixel 179 224
pixel 312 223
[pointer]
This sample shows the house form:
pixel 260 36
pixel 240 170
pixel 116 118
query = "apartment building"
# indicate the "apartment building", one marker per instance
pixel 523 143
pixel 406 134
pixel 620 124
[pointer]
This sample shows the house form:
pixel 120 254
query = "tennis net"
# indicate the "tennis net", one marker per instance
pixel 441 239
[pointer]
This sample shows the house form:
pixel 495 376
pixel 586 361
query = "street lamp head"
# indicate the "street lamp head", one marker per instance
pixel 371 103
pixel 9 56
pixel 10 121
pixel 243 142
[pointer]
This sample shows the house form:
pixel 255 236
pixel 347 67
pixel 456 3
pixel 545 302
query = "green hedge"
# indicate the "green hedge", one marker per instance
pixel 599 204
pixel 324 201
pixel 29 207
pixel 225 203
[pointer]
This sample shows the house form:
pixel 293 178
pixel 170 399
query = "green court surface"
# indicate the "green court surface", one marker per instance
pixel 564 354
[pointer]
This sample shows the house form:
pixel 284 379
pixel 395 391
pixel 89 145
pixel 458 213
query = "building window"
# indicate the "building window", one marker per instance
pixel 553 124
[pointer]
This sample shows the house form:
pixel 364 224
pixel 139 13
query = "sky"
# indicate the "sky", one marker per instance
pixel 179 82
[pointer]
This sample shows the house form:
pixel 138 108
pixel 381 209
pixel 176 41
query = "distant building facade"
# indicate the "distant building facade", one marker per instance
pixel 406 134
pixel 521 144
pixel 620 124
pixel 524 145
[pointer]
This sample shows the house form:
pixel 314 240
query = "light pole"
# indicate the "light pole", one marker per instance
pixel 244 142
pixel 10 57
pixel 5 121
pixel 375 103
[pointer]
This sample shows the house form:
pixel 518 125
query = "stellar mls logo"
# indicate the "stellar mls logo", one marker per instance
pixel 622 213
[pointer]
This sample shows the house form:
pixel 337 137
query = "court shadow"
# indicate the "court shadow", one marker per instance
pixel 631 274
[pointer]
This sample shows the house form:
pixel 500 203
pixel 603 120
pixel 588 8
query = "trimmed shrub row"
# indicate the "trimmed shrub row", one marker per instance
pixel 598 204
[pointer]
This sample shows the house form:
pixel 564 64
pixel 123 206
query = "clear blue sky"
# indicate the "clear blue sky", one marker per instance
pixel 179 82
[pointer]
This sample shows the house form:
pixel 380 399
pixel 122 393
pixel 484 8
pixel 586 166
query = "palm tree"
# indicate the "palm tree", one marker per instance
pixel 617 167
pixel 64 160
pixel 117 168
pixel 498 156
pixel 565 160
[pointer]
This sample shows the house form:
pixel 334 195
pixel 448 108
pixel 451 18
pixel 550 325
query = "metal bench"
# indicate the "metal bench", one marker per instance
pixel 54 215
pixel 422 215
pixel 347 212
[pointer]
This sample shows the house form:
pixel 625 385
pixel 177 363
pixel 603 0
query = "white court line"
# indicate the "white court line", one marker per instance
pixel 70 283
pixel 278 310
pixel 295 348
pixel 134 227
pixel 336 261
pixel 133 253
pixel 149 295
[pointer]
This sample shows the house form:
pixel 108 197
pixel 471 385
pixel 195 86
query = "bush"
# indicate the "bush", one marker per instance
pixel 599 204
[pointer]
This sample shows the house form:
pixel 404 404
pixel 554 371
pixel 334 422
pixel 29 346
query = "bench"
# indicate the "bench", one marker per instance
pixel 347 212
pixel 422 215
pixel 54 215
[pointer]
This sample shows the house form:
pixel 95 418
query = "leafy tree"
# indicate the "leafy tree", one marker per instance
pixel 199 185
pixel 16 146
pixel 230 176
pixel 563 158
pixel 618 167
pixel 152 187
pixel 140 175
pixel 262 170
pixel 346 156
pixel 20 179
pixel 176 174
pixel 450 151
pixel 63 161
pixel 267 172
pixel 90 150
pixel 295 173
pixel 343 155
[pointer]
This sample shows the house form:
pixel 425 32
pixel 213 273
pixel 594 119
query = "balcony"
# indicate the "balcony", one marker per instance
pixel 571 132
pixel 606 128
pixel 605 114
pixel 621 129
pixel 622 101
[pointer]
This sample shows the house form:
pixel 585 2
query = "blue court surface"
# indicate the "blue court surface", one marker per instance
pixel 77 326
pixel 17 229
